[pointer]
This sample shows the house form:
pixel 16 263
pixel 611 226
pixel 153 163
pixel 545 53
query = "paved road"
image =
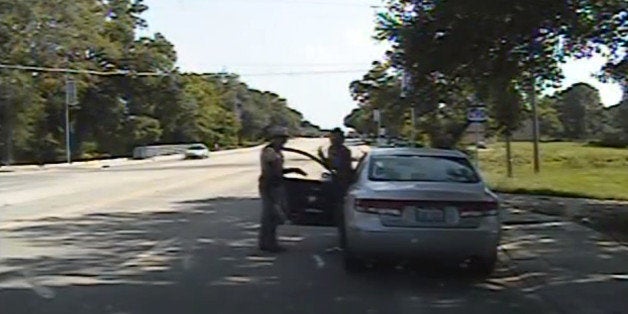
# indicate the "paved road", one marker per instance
pixel 180 237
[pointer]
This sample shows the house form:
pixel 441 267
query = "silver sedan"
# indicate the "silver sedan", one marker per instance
pixel 404 202
pixel 420 203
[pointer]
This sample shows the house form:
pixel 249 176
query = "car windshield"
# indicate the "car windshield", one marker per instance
pixel 197 147
pixel 422 168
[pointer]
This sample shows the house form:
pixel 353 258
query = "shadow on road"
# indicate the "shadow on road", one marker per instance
pixel 202 256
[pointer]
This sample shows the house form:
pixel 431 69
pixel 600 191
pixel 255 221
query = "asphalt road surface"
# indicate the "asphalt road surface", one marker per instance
pixel 179 236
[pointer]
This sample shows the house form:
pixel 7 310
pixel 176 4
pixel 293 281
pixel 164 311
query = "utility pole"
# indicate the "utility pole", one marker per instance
pixel 405 87
pixel 7 127
pixel 413 116
pixel 70 100
pixel 377 116
pixel 535 126
pixel 508 154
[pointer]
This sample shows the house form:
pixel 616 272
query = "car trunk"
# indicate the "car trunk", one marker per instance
pixel 430 204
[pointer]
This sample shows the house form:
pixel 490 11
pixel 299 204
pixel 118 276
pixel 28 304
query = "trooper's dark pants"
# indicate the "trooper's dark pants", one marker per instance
pixel 271 200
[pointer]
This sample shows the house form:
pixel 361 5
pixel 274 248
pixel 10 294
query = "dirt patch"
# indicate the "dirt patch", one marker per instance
pixel 608 217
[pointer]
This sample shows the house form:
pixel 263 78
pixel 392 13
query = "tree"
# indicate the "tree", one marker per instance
pixel 618 72
pixel 580 111
pixel 310 130
pixel 433 43
pixel 115 112
pixel 550 124
pixel 361 121
pixel 212 123
pixel 144 130
pixel 49 33
pixel 615 132
pixel 380 89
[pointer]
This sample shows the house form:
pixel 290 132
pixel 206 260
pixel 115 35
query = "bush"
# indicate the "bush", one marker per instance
pixel 611 138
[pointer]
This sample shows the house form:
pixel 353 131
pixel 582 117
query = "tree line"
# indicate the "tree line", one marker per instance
pixel 116 112
pixel 573 114
pixel 447 56
pixel 576 114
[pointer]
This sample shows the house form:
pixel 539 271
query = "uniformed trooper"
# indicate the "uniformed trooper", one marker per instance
pixel 271 189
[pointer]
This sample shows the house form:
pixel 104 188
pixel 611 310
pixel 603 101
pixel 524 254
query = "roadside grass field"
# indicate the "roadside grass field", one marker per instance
pixel 567 169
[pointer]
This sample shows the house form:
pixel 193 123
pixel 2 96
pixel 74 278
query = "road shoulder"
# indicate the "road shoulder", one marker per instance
pixel 569 266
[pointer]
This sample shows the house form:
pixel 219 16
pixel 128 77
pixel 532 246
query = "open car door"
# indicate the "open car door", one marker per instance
pixel 312 202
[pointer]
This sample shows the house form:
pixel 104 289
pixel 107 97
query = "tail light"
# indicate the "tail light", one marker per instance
pixel 478 209
pixel 381 207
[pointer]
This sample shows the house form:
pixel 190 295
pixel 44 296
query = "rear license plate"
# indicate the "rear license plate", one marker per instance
pixel 430 215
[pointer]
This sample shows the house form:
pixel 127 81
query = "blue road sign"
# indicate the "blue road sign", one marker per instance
pixel 477 114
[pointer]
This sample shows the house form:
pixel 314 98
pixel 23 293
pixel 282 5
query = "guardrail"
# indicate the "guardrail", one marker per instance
pixel 144 152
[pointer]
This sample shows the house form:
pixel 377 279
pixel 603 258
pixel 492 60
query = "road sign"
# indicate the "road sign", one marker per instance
pixel 376 115
pixel 405 84
pixel 70 90
pixel 476 114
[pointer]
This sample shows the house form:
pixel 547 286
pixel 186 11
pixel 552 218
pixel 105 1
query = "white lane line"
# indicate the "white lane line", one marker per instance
pixel 38 288
pixel 320 263
pixel 133 258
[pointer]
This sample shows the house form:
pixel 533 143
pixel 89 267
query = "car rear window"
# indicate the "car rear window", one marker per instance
pixel 422 168
pixel 197 147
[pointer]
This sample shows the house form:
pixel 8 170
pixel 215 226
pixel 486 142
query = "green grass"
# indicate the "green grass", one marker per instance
pixel 567 169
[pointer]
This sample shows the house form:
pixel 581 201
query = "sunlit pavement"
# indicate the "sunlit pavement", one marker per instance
pixel 180 237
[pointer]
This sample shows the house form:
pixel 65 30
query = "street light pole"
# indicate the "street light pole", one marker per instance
pixel 68 155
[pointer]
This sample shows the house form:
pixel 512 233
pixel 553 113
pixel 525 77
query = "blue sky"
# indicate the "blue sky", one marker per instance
pixel 276 45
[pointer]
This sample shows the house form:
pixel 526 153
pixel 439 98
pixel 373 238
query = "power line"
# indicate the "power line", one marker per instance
pixel 296 65
pixel 307 73
pixel 312 2
pixel 79 71
pixel 132 73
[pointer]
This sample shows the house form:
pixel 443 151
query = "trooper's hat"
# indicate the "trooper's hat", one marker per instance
pixel 278 131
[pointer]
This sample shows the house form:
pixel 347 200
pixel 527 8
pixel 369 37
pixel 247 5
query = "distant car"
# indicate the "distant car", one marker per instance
pixel 197 151
pixel 401 143
pixel 406 202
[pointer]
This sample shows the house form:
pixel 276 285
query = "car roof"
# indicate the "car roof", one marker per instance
pixel 417 152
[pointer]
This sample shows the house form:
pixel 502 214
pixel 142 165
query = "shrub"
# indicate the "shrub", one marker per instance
pixel 612 138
